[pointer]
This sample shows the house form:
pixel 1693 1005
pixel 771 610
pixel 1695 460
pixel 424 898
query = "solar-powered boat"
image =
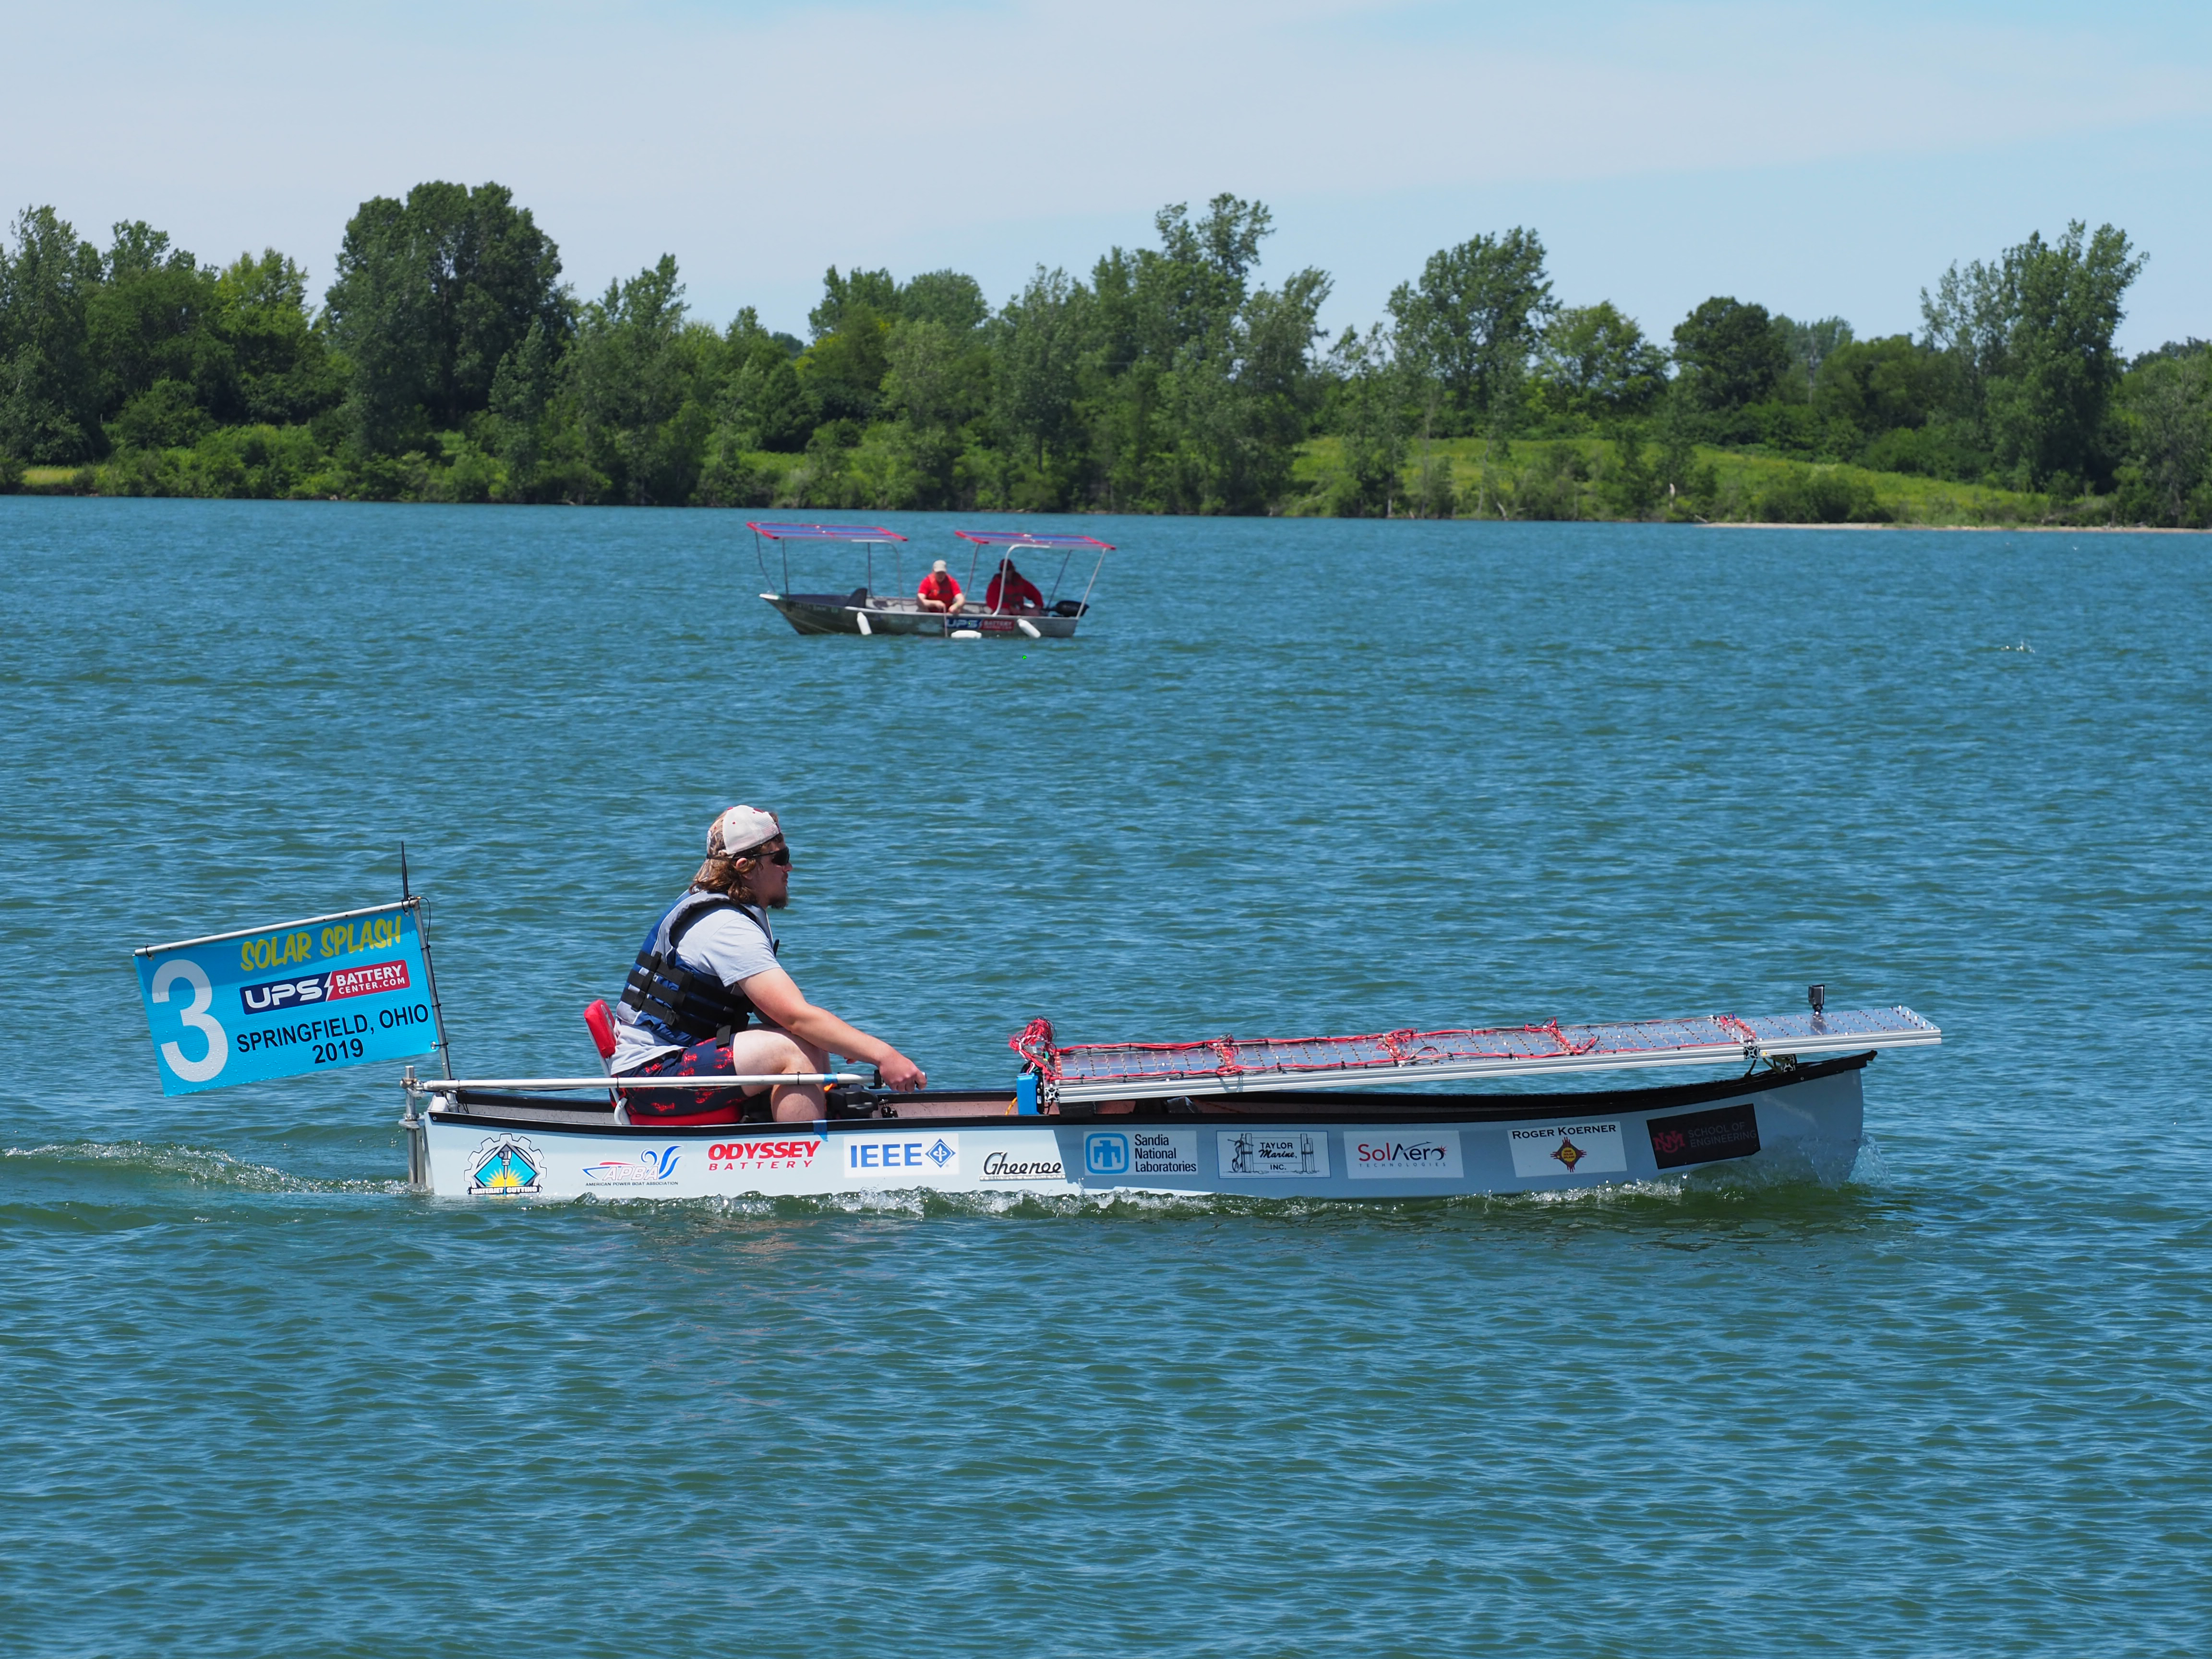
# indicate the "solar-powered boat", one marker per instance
pixel 1389 1114
pixel 864 611
pixel 1353 1117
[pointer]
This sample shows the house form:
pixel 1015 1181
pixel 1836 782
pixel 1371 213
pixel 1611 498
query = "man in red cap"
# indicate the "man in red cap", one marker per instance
pixel 939 592
pixel 708 969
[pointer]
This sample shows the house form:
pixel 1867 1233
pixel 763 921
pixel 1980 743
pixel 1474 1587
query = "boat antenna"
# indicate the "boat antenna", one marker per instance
pixel 404 893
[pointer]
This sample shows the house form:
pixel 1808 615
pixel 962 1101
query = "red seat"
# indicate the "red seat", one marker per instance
pixel 603 1029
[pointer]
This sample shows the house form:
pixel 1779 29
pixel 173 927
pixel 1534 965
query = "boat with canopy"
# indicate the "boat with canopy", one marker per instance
pixel 865 610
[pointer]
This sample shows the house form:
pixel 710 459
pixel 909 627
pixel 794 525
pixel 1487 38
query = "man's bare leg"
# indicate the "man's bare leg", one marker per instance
pixel 765 1050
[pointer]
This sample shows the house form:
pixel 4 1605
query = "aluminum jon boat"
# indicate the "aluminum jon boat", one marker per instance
pixel 864 611
pixel 1314 1118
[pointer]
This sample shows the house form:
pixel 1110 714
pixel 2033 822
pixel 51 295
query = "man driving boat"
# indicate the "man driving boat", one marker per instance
pixel 1010 590
pixel 708 970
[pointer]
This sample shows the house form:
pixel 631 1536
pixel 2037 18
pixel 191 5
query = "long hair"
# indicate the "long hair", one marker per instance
pixel 723 874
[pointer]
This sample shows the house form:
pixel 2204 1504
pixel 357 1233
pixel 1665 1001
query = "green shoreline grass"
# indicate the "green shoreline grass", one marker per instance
pixel 1576 468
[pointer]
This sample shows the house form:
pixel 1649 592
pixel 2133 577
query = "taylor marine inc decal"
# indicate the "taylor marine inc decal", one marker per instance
pixel 649 1170
pixel 1401 1156
pixel 1258 1153
pixel 1576 1148
pixel 916 1157
pixel 1705 1136
pixel 763 1153
pixel 505 1166
pixel 1138 1153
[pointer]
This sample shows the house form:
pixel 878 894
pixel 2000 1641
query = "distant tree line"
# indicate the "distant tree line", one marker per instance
pixel 449 360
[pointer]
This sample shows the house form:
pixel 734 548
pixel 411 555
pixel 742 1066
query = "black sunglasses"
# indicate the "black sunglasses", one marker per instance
pixel 781 856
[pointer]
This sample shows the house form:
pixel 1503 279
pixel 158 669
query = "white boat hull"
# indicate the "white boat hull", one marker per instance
pixel 1803 1126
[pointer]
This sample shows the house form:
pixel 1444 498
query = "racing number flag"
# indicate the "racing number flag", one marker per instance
pixel 304 996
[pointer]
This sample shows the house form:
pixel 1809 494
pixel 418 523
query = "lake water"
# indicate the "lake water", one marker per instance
pixel 1296 776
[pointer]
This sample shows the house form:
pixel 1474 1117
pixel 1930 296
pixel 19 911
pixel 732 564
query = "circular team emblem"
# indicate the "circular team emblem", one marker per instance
pixel 1568 1153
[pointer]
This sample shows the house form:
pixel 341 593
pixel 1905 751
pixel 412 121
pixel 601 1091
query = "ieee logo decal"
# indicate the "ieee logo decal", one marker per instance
pixel 1106 1154
pixel 505 1166
pixel 866 1153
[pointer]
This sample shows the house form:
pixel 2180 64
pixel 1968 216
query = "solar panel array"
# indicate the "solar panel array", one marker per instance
pixel 1140 1070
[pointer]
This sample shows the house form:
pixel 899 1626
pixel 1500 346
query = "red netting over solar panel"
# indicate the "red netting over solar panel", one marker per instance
pixel 1239 1061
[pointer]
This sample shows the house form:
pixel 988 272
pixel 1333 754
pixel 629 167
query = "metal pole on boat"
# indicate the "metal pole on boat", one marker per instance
pixel 418 1138
pixel 421 905
pixel 1093 582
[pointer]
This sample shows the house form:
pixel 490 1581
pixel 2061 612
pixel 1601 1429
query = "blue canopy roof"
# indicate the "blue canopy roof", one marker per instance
pixel 825 532
pixel 1024 538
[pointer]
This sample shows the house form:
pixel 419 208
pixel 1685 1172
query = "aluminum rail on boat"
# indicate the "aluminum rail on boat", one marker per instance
pixel 1100 1072
pixel 447 1086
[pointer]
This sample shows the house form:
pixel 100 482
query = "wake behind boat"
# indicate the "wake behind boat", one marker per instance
pixel 992 611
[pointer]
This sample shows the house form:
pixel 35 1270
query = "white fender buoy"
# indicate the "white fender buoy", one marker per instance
pixel 1028 627
pixel 862 617
pixel 965 633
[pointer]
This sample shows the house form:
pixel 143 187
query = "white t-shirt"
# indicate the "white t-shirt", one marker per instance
pixel 727 944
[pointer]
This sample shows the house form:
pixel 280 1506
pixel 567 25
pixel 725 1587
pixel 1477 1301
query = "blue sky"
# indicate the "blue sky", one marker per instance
pixel 1820 158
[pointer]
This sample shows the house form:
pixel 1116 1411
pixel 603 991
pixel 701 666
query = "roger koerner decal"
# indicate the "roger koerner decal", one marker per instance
pixel 1705 1136
pixel 1591 1148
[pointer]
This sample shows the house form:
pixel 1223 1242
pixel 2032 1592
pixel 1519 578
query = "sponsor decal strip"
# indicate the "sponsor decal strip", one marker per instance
pixel 1705 1136
pixel 1569 1149
pixel 273 995
pixel 1407 1156
pixel 762 1154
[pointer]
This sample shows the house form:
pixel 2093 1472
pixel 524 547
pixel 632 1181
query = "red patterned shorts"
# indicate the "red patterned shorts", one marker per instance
pixel 683 1106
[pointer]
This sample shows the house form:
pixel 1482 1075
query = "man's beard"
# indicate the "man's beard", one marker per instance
pixel 779 902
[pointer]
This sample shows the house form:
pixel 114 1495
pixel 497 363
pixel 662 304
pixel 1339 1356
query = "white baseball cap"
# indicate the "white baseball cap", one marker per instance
pixel 939 565
pixel 740 831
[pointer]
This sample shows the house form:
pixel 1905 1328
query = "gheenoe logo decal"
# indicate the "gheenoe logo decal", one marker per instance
pixel 1019 1166
pixel 1409 1155
pixel 1257 1154
pixel 1576 1148
pixel 1705 1136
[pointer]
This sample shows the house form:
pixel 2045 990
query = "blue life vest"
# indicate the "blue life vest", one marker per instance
pixel 661 992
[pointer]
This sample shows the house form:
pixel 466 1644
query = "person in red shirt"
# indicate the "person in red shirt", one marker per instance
pixel 1017 591
pixel 939 592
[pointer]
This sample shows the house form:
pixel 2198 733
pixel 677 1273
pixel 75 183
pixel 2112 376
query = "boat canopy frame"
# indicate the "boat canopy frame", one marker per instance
pixel 868 537
pixel 1067 546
